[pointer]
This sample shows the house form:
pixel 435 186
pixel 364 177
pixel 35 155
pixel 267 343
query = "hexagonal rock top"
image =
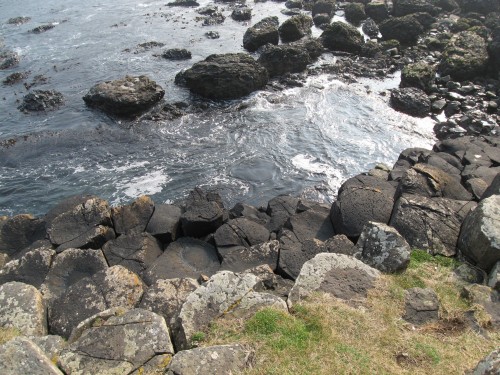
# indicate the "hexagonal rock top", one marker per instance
pixel 125 97
pixel 342 276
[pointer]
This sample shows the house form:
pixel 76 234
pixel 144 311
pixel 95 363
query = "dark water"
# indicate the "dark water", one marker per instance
pixel 302 140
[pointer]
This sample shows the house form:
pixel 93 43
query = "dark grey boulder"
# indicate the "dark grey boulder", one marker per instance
pixel 135 252
pixel 41 101
pixel 340 244
pixel 370 28
pixel 377 10
pixel 283 59
pixel 176 54
pixel 186 257
pixel 383 248
pixel 42 28
pixel 421 306
pixel 22 308
pixel 295 28
pixel 69 267
pixel 22 356
pixel 479 6
pixel 323 7
pixel 65 205
pixel 240 232
pixel 411 100
pixel 404 29
pixel 248 212
pixel 339 275
pixel 404 7
pixel 494 277
pixel 128 96
pixel 18 20
pixel 340 36
pixel 51 345
pixel 429 181
pixel 445 162
pixel 165 223
pixel 241 14
pixel 201 218
pixel 240 258
pixel 113 287
pixel 227 76
pixel 166 297
pixel 322 20
pixel 479 239
pixel 19 232
pixel 221 359
pixel 120 344
pixel 85 225
pixel 31 268
pixel 294 253
pixel 183 3
pixel 489 365
pixel 431 224
pixel 280 209
pixel 312 46
pixel 361 199
pixel 354 13
pixel 493 188
pixel 8 59
pixel 419 74
pixel 294 4
pixel 133 218
pixel 465 56
pixel 263 32
pixel 477 186
pixel 314 223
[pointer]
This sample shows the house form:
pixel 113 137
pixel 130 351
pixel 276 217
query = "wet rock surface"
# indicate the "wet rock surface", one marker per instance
pixel 41 101
pixel 263 32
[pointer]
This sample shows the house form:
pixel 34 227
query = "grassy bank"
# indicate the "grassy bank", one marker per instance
pixel 326 336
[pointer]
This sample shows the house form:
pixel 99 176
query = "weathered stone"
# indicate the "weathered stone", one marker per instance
pixel 176 54
pixel 166 297
pixel 222 359
pixel 361 199
pixel 22 307
pixel 477 186
pixel 404 29
pixel 479 238
pixel 128 96
pixel 18 232
pixel 202 216
pixel 22 356
pixel 469 273
pixel 354 13
pixel 322 20
pixel 43 28
pixel 340 36
pixel 241 14
pixel 68 268
pixel 18 20
pixel 421 306
pixel 263 32
pixel 420 75
pixel 486 297
pixel 323 7
pixel 8 59
pixel 404 7
pixel 113 287
pixel 31 268
pixel 340 244
pixel 339 275
pixel 494 188
pixel 165 223
pixel 239 258
pixel 248 212
pixel 448 163
pixel 314 223
pixel 118 345
pixel 431 224
pixel 429 181
pixel 219 295
pixel 489 365
pixel 135 252
pixel 283 59
pixel 133 218
pixel 41 101
pixel 370 28
pixel 51 345
pixel 494 277
pixel 411 100
pixel 377 10
pixel 240 232
pixel 465 56
pixel 82 226
pixel 279 209
pixel 383 248
pixel 186 257
pixel 295 28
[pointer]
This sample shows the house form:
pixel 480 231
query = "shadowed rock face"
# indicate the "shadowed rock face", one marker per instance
pixel 227 76
pixel 263 32
pixel 125 97
pixel 340 36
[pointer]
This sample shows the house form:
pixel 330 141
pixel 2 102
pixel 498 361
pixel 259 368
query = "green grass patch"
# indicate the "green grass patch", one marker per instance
pixel 429 351
pixel 419 257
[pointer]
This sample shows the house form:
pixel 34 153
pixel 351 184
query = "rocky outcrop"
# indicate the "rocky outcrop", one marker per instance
pixel 405 29
pixel 295 28
pixel 480 234
pixel 411 100
pixel 41 101
pixel 222 359
pixel 22 308
pixel 19 232
pixel 240 232
pixel 262 33
pixel 227 76
pixel 339 275
pixel 283 59
pixel 383 248
pixel 133 218
pixel 176 54
pixel 279 209
pixel 241 14
pixel 404 7
pixel 8 59
pixel 340 36
pixel 120 345
pixel 421 306
pixel 240 258
pixel 420 75
pixel 128 96
pixel 465 56
pixel 377 10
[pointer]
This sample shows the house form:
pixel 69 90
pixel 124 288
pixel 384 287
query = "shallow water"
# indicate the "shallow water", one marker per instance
pixel 302 140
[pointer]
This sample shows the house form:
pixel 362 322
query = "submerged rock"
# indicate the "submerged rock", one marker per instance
pixel 41 101
pixel 227 76
pixel 125 97
pixel 241 14
pixel 18 20
pixel 42 28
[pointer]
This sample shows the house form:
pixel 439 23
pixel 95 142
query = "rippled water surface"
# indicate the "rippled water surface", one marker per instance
pixel 306 139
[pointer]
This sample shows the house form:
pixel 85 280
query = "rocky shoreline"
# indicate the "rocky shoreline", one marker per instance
pixel 92 288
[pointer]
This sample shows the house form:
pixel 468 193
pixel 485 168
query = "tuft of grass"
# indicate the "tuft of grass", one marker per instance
pixel 8 333
pixel 198 337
